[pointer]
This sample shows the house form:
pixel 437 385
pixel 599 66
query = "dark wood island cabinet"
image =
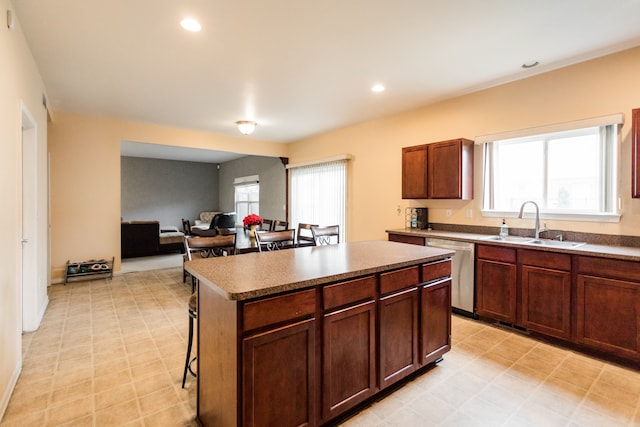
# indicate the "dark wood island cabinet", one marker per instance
pixel 299 337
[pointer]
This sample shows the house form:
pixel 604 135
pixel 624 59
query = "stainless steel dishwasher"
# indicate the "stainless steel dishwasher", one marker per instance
pixel 462 274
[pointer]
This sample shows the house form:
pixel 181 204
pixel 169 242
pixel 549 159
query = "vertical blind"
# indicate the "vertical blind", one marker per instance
pixel 318 194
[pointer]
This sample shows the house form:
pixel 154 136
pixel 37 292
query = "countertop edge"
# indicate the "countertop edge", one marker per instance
pixel 603 251
pixel 394 262
pixel 295 286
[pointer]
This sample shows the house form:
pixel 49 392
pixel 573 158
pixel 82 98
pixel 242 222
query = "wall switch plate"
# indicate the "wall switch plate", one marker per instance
pixel 448 213
pixel 469 213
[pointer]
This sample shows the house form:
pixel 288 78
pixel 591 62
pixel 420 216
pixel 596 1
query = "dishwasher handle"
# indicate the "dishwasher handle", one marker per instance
pixel 452 246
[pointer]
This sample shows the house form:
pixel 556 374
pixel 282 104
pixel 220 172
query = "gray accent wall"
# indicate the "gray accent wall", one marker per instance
pixel 272 175
pixel 167 190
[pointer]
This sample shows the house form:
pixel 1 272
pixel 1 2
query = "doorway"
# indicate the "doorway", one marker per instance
pixel 31 292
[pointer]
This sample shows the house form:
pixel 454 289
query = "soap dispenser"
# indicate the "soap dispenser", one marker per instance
pixel 504 229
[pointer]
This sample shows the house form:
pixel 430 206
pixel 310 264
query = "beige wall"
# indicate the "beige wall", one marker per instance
pixel 85 179
pixel 590 89
pixel 85 168
pixel 20 84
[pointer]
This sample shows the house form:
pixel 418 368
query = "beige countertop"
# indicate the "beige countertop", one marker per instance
pixel 605 251
pixel 254 275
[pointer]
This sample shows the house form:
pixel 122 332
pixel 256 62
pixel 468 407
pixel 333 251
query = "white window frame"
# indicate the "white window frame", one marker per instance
pixel 610 140
pixel 312 200
pixel 253 206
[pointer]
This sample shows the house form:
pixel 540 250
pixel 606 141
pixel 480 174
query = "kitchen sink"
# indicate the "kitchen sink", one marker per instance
pixel 512 239
pixel 538 242
pixel 555 243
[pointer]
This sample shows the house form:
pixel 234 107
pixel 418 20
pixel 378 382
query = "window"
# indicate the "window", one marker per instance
pixel 247 196
pixel 567 173
pixel 318 194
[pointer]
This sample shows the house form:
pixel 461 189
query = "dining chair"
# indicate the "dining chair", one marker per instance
pixel 267 225
pixel 279 225
pixel 193 315
pixel 205 247
pixel 186 227
pixel 328 235
pixel 305 236
pixel 275 240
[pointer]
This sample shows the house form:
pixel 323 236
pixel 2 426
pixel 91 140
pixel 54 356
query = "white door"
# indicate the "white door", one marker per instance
pixel 30 291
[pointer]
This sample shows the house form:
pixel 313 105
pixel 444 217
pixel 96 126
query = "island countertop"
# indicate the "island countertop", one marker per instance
pixel 259 274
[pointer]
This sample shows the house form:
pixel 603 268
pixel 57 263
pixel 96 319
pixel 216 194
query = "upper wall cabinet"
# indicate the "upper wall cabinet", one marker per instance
pixel 442 170
pixel 414 172
pixel 635 154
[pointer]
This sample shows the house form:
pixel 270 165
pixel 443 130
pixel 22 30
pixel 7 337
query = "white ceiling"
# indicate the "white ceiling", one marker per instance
pixel 302 67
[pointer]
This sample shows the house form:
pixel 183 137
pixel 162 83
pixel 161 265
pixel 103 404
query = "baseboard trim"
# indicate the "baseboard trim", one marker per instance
pixel 8 391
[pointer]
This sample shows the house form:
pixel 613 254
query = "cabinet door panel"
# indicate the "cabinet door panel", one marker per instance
pixel 635 153
pixel 450 174
pixel 278 377
pixel 435 320
pixel 444 166
pixel 496 290
pixel 608 315
pixel 414 172
pixel 546 301
pixel 349 358
pixel 398 336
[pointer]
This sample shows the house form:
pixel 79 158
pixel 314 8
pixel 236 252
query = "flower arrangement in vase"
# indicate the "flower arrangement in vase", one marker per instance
pixel 252 221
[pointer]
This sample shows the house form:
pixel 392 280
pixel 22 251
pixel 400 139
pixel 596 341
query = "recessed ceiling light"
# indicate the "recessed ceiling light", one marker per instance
pixel 377 88
pixel 190 24
pixel 530 64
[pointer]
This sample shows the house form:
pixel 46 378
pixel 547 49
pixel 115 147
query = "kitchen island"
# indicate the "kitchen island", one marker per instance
pixel 303 336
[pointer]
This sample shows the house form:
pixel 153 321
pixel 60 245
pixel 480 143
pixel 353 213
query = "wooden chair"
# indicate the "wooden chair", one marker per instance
pixel 305 236
pixel 267 225
pixel 275 240
pixel 279 225
pixel 328 235
pixel 205 247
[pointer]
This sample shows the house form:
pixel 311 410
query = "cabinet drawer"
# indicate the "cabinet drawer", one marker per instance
pixel 496 253
pixel 615 268
pixel 545 259
pixel 436 270
pixel 403 238
pixel 349 292
pixel 399 279
pixel 278 309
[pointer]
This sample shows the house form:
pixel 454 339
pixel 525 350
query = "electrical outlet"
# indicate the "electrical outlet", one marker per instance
pixel 469 213
pixel 448 213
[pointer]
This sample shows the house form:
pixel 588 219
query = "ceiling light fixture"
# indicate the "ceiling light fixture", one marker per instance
pixel 377 88
pixel 246 127
pixel 190 24
pixel 530 64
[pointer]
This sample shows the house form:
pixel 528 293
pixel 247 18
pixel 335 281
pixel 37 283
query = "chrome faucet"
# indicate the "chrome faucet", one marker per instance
pixel 538 229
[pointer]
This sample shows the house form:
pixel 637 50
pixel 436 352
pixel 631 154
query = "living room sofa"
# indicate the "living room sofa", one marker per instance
pixel 145 238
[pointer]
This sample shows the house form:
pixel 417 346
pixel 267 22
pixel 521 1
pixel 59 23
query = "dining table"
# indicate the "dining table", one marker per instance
pixel 244 242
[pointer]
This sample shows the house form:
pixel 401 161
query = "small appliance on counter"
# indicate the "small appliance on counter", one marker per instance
pixel 417 218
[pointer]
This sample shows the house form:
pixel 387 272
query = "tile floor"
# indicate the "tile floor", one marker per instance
pixel 110 353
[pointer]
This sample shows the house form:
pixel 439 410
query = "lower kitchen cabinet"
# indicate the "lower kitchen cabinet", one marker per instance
pixel 496 277
pixel 546 292
pixel 278 376
pixel 608 306
pixel 305 357
pixel 398 335
pixel 436 320
pixel 349 358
